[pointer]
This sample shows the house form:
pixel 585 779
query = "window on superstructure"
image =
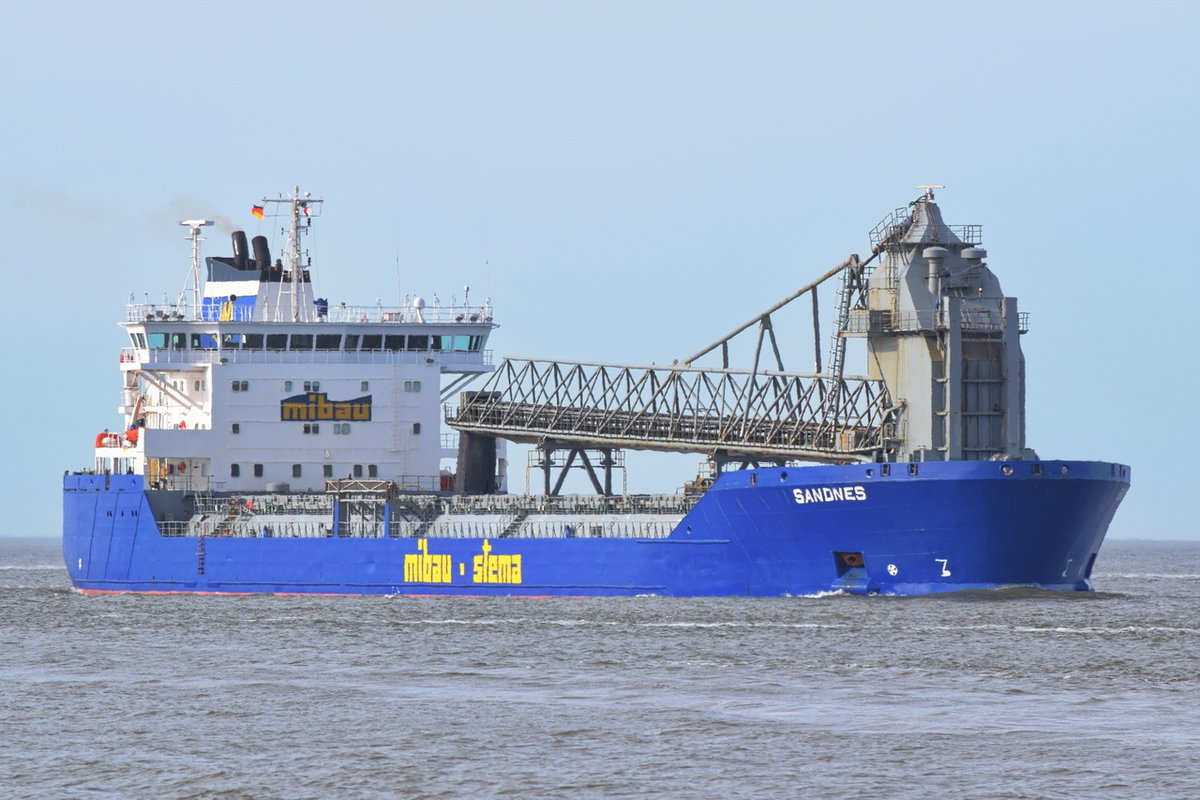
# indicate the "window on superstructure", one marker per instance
pixel 416 428
pixel 230 341
pixel 373 341
pixel 418 343
pixel 351 341
pixel 295 470
pixel 235 470
pixel 235 427
pixel 412 386
pixel 439 342
pixel 341 428
pixel 258 470
pixel 393 343
pixel 240 386
pixel 198 386
pixel 253 341
pixel 358 470
pixel 312 386
pixel 178 341
pixel 372 470
pixel 329 341
pixel 327 470
pixel 204 341
pixel 364 386
pixel 158 341
pixel 287 386
pixel 312 427
pixel 302 341
pixel 277 341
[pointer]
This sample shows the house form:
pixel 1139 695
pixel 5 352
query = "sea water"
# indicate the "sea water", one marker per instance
pixel 997 694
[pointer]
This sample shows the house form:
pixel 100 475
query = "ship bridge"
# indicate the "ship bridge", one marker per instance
pixel 945 382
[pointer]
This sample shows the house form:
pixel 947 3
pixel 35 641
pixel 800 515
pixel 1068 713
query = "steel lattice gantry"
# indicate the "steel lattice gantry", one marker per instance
pixel 679 408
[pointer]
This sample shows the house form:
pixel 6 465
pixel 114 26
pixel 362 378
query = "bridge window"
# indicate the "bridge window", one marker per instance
pixel 204 341
pixel 302 341
pixel 158 341
pixel 372 341
pixel 277 341
pixel 254 341
pixel 418 343
pixel 230 341
pixel 178 341
pixel 352 341
pixel 393 343
pixel 329 341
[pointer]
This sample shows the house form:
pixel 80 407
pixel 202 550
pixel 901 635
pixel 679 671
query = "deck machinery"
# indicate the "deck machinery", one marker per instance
pixel 945 376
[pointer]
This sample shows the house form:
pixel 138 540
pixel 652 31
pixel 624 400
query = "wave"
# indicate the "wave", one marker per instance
pixel 1107 631
pixel 1187 576
pixel 29 567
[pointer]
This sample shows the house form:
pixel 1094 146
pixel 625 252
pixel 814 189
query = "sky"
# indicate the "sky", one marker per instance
pixel 627 181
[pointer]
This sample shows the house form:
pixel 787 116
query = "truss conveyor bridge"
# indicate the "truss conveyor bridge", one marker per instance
pixel 735 416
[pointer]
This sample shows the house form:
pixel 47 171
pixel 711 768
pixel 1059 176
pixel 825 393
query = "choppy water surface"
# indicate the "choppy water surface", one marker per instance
pixel 1009 694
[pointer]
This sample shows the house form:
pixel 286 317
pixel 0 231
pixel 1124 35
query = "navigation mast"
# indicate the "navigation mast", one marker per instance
pixel 302 209
pixel 194 275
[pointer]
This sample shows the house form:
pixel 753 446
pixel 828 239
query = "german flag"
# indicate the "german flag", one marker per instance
pixel 257 211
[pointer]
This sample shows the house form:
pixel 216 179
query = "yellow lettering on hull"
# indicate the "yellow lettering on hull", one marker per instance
pixel 424 567
pixel 487 568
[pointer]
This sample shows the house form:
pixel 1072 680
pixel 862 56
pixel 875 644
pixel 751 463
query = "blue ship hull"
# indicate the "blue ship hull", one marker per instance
pixel 890 529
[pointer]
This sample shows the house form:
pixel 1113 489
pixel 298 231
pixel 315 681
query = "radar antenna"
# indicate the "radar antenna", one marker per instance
pixel 194 275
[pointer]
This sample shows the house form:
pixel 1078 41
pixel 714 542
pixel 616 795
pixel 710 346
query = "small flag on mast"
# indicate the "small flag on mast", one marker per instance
pixel 257 211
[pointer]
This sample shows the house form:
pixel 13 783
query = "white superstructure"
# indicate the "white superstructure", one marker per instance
pixel 257 385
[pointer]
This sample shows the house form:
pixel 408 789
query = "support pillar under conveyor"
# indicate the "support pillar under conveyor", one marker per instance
pixel 723 461
pixel 598 464
pixel 720 462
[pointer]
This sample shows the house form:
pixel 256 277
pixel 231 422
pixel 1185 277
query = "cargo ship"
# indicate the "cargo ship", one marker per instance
pixel 273 441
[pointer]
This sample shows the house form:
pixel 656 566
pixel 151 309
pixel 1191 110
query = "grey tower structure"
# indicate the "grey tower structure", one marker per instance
pixel 944 339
